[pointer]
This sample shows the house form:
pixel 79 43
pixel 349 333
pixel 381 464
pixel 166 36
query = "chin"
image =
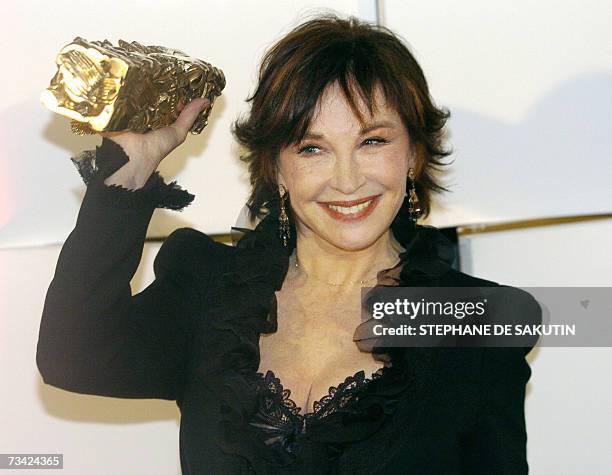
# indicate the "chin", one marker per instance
pixel 351 240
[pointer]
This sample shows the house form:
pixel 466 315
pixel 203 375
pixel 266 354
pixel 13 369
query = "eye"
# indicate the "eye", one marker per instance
pixel 378 140
pixel 310 149
pixel 306 150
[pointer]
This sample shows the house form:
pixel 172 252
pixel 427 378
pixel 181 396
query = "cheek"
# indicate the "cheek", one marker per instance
pixel 391 172
pixel 305 181
pixel 394 180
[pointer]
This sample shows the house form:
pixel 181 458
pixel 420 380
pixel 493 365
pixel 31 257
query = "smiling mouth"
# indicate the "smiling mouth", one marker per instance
pixel 350 210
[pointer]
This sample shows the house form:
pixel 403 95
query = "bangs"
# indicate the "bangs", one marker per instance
pixel 303 108
pixel 302 78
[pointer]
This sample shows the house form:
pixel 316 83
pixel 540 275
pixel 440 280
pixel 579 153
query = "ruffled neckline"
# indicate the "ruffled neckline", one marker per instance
pixel 258 420
pixel 278 417
pixel 325 404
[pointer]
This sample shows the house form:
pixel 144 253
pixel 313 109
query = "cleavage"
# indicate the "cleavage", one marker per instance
pixel 313 348
pixel 337 396
pixel 309 372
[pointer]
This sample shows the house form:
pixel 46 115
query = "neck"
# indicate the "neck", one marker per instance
pixel 324 262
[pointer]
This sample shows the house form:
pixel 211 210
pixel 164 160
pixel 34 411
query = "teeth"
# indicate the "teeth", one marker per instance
pixel 350 209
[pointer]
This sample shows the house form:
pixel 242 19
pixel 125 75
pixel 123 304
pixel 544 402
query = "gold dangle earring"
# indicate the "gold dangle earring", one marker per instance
pixel 284 231
pixel 414 207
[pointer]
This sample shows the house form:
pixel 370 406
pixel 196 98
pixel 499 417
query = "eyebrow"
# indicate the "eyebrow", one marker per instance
pixel 364 130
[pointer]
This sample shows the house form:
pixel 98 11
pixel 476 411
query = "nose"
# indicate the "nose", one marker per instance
pixel 347 175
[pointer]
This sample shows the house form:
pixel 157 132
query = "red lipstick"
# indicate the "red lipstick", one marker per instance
pixel 355 216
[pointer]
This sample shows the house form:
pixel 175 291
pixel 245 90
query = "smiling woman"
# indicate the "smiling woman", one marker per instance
pixel 342 142
pixel 366 64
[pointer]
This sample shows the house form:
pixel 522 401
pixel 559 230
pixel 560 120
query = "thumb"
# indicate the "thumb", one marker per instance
pixel 188 116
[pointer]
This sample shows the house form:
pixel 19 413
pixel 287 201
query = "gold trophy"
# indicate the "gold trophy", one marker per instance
pixel 105 88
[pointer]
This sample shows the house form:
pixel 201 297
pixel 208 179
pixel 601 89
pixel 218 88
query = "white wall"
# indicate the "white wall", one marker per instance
pixel 529 87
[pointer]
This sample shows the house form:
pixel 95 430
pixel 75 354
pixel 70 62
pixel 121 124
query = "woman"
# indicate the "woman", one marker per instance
pixel 259 343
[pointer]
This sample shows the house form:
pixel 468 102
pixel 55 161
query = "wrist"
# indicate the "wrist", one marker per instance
pixel 133 175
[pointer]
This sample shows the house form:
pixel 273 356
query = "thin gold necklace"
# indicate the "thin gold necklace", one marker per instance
pixel 297 265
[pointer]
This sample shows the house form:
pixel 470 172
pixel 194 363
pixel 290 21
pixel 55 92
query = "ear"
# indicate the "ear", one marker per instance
pixel 410 163
pixel 414 162
pixel 280 179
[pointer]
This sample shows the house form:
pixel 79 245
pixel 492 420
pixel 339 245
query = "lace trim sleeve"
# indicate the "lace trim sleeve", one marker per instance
pixel 95 166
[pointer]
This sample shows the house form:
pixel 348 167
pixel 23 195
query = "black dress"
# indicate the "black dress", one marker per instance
pixel 193 336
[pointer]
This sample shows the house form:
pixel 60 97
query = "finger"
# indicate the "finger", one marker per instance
pixel 188 116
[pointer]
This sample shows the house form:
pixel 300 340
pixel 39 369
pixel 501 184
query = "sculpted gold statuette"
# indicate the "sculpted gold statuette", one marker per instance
pixel 105 88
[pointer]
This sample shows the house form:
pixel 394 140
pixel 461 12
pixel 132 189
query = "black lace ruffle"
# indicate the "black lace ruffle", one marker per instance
pixel 95 166
pixel 278 417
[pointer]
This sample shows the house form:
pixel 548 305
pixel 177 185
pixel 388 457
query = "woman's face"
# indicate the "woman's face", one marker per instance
pixel 346 185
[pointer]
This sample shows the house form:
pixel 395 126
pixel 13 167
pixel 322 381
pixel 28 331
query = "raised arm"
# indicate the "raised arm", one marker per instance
pixel 95 337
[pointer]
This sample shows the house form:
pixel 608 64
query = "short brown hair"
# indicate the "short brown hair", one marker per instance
pixel 296 70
